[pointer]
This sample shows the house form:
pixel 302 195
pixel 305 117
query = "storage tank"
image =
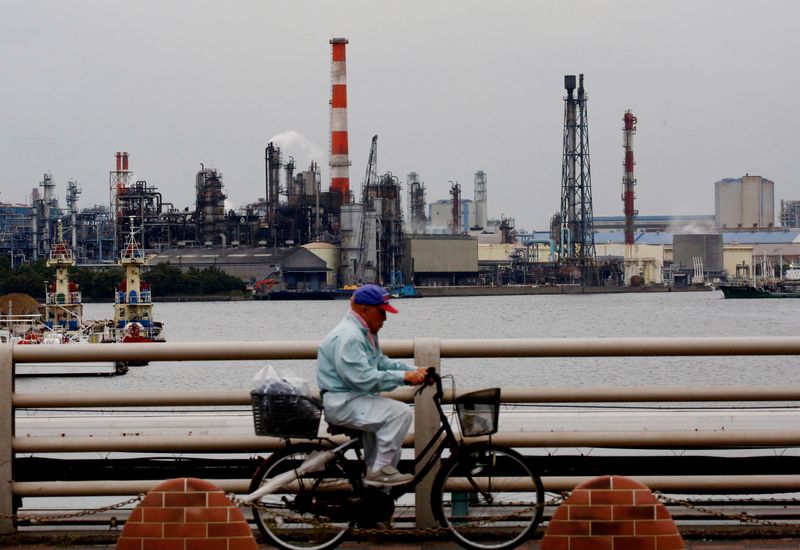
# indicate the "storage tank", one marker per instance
pixel 708 246
pixel 328 253
pixel 728 203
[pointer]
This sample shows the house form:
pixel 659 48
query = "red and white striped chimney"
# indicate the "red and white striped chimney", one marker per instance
pixel 628 181
pixel 340 158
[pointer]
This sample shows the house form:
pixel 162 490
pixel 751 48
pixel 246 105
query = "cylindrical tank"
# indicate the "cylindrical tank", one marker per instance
pixel 708 246
pixel 329 253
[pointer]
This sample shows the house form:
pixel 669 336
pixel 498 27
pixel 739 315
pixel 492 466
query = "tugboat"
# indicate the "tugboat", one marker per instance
pixel 133 308
pixel 62 309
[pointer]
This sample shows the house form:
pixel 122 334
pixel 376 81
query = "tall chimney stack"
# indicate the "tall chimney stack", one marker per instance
pixel 340 159
pixel 628 181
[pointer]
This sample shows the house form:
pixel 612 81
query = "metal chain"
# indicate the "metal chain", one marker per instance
pixel 79 513
pixel 433 531
pixel 741 516
pixel 554 501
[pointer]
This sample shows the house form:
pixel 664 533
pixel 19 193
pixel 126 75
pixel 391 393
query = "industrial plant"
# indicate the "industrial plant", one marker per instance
pixel 302 235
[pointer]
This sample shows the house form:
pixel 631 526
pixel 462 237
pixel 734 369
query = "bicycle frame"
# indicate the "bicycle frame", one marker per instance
pixel 450 441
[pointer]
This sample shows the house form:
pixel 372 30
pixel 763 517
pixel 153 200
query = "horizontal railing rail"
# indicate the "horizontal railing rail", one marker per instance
pixel 426 352
pixel 448 348
pixel 589 394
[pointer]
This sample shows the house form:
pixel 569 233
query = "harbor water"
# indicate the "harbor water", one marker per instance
pixel 543 316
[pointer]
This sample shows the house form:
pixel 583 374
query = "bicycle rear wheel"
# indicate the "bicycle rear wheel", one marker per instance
pixel 312 513
pixel 487 497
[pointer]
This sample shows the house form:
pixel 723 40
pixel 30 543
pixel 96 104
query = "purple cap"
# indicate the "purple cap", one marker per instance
pixel 373 295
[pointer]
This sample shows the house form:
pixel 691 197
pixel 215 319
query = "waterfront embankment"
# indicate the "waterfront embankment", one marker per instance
pixel 523 290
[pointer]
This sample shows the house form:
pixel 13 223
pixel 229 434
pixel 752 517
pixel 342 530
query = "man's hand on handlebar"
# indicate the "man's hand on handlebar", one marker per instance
pixel 415 377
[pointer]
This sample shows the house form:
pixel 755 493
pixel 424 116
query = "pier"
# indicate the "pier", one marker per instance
pixel 711 463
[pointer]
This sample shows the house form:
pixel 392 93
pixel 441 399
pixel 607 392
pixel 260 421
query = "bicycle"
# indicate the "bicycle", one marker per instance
pixel 310 495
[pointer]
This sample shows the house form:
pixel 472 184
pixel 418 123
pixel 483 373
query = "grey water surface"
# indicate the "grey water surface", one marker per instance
pixel 549 316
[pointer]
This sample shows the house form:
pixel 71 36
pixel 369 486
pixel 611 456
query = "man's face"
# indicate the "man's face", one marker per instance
pixel 374 316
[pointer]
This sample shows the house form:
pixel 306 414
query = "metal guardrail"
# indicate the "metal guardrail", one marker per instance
pixel 426 352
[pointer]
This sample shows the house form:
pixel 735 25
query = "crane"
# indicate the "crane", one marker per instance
pixel 370 179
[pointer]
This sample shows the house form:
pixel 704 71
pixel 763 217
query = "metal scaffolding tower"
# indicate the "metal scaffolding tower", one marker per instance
pixel 576 238
pixel 480 200
pixel 416 203
pixel 72 206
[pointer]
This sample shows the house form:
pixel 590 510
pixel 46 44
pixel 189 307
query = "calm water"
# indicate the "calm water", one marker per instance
pixel 611 315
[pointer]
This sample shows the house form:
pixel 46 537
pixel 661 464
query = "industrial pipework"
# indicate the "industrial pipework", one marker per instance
pixel 339 153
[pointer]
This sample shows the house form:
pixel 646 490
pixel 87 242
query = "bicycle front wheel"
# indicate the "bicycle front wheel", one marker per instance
pixel 313 512
pixel 487 497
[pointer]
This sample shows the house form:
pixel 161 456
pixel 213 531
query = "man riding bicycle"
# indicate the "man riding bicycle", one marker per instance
pixel 352 371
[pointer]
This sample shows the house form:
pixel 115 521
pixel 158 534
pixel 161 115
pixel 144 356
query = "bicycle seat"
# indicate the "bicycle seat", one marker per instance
pixel 334 429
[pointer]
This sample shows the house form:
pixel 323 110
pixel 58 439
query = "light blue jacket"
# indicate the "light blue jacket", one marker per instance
pixel 348 361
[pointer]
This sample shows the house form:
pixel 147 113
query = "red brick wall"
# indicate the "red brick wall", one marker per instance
pixel 186 514
pixel 611 513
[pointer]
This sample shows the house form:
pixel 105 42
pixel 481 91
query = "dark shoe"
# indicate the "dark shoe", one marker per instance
pixel 388 476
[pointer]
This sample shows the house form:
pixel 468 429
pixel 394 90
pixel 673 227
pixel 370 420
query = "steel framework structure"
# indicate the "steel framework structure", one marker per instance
pixel 577 229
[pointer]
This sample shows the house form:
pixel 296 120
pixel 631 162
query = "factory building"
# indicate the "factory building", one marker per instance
pixel 15 231
pixel 440 260
pixel 294 268
pixel 746 202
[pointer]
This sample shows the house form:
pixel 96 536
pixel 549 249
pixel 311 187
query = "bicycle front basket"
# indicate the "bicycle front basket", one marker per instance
pixel 478 412
pixel 281 415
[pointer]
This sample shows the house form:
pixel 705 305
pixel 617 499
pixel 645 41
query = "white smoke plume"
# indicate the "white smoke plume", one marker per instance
pixel 692 228
pixel 294 144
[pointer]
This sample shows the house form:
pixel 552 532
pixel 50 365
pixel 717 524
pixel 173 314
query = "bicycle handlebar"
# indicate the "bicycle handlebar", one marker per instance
pixel 431 378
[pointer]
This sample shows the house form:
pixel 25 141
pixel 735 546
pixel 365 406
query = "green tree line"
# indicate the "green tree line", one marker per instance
pixel 165 280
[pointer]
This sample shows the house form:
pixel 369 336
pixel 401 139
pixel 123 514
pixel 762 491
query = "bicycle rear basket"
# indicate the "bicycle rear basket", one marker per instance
pixel 285 415
pixel 478 412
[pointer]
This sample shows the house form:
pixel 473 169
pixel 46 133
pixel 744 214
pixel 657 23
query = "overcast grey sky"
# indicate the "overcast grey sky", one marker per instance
pixel 450 88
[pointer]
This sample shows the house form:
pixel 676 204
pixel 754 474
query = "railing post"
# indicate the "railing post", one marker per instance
pixel 6 436
pixel 427 353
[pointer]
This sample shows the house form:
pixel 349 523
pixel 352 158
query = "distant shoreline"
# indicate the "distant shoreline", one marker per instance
pixel 463 291
pixel 521 290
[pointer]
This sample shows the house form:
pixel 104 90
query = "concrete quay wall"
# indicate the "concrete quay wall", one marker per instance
pixel 519 290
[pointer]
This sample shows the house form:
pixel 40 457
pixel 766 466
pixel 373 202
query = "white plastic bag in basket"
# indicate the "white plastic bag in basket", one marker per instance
pixel 267 380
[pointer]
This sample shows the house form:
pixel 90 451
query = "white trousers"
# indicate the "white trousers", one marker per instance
pixel 385 423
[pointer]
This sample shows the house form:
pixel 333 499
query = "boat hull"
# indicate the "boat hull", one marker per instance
pixel 752 291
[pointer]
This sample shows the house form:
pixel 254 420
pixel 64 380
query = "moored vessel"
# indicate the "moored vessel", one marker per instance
pixel 133 306
pixel 62 310
pixel 749 289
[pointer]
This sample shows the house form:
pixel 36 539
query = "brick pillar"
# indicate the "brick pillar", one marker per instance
pixel 186 514
pixel 612 513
